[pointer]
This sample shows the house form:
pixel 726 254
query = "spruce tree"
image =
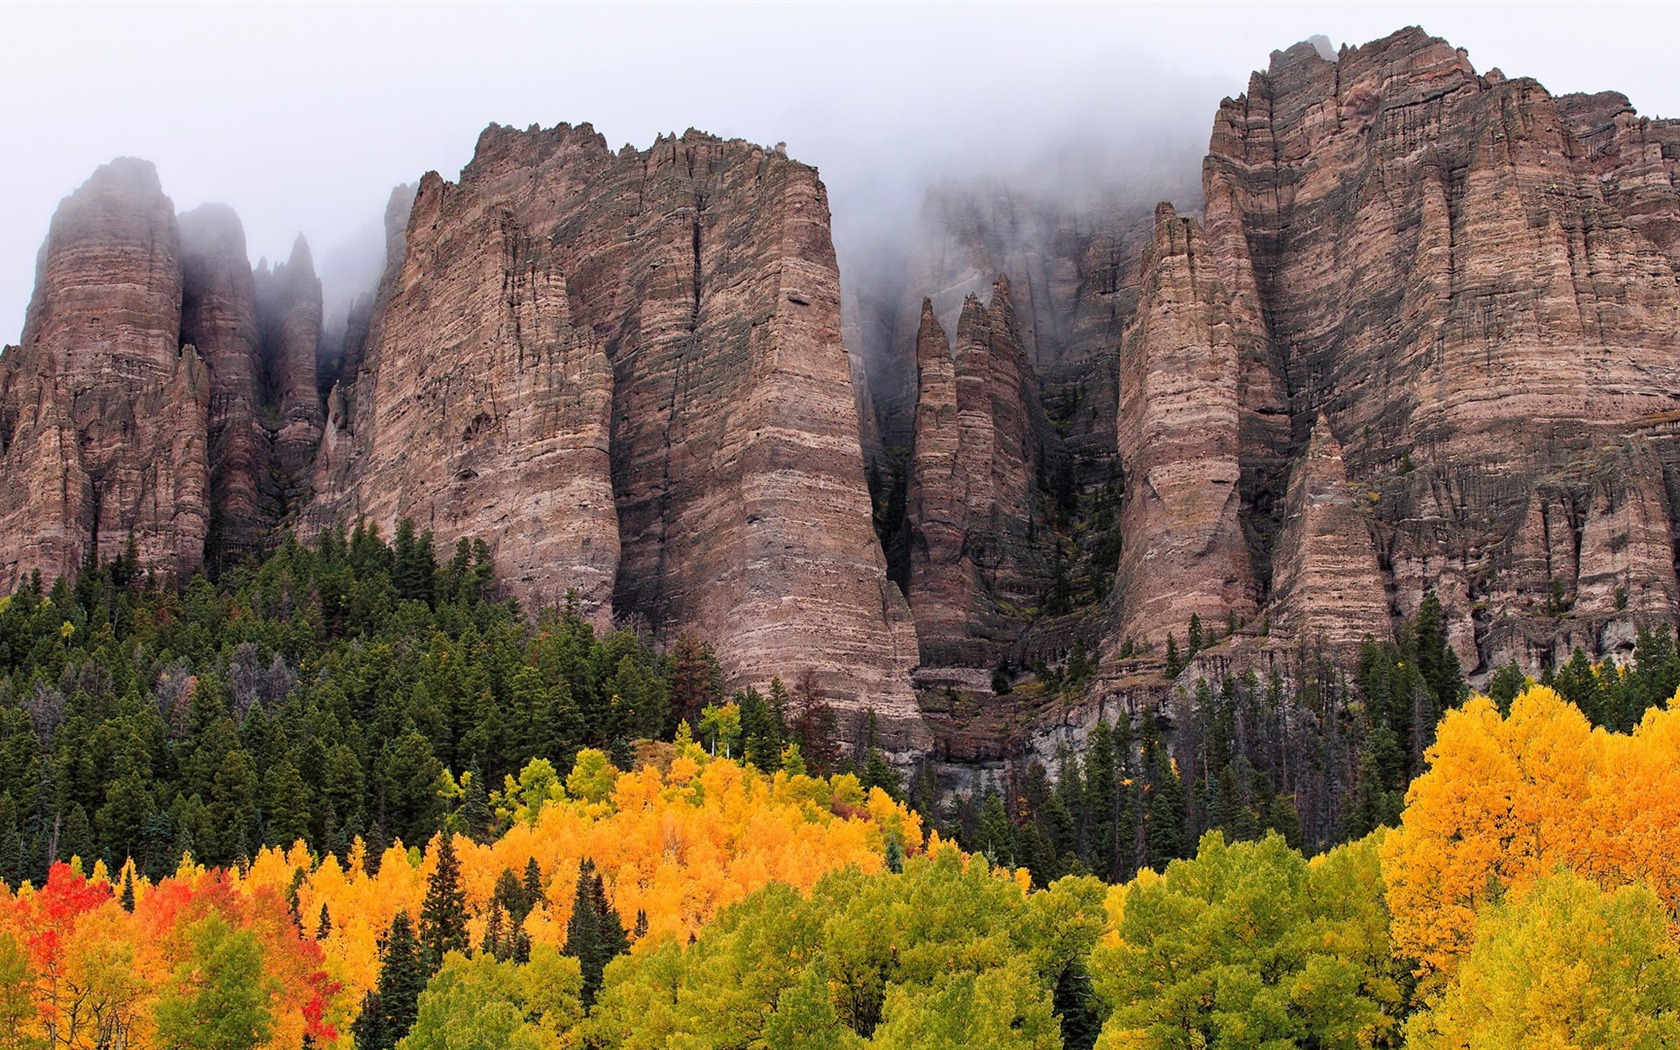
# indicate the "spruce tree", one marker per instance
pixel 443 916
pixel 389 1011
pixel 594 934
pixel 1166 814
pixel 475 807
pixel 1102 800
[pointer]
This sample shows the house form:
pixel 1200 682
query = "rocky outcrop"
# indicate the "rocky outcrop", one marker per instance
pixel 1328 591
pixel 1072 268
pixel 701 273
pixel 1637 160
pixel 1184 553
pixel 103 413
pixel 219 318
pixel 492 413
pixel 289 310
pixel 1472 297
pixel 979 548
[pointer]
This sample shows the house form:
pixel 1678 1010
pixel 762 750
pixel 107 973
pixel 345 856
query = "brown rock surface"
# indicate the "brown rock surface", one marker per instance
pixel 1184 549
pixel 703 270
pixel 102 412
pixel 1328 590
pixel 1470 295
pixel 493 417
pixel 978 549
pixel 289 311
pixel 219 317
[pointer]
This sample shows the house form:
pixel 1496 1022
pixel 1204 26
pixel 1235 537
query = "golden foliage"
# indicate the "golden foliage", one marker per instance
pixel 1506 800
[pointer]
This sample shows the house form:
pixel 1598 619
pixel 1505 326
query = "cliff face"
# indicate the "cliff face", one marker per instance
pixel 289 310
pixel 103 414
pixel 979 548
pixel 1072 269
pixel 1328 589
pixel 1184 550
pixel 1474 284
pixel 219 318
pixel 488 414
pixel 664 325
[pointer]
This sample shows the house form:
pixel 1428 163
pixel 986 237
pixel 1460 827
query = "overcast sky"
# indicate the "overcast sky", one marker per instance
pixel 304 116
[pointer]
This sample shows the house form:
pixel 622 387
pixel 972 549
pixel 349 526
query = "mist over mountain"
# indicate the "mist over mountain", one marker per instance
pixel 314 120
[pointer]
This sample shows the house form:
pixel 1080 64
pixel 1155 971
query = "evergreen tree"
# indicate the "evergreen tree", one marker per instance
pixel 1166 815
pixel 594 934
pixel 443 916
pixel 877 774
pixel 1102 801
pixel 389 1011
pixel 475 807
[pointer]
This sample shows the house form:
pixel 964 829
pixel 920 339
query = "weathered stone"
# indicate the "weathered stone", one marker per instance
pixel 219 317
pixel 1328 591
pixel 979 548
pixel 703 271
pixel 1184 549
pixel 289 311
pixel 491 413
pixel 1472 299
pixel 103 412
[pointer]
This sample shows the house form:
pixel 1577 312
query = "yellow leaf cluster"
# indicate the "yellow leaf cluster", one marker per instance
pixel 1506 800
pixel 674 847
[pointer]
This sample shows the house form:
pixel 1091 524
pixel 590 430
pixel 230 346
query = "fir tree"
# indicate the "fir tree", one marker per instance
pixel 443 916
pixel 402 977
pixel 475 806
pixel 594 934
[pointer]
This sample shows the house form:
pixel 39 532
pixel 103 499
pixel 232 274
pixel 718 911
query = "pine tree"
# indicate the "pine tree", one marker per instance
pixel 323 925
pixel 1166 815
pixel 475 806
pixel 389 1011
pixel 877 774
pixel 1102 800
pixel 594 934
pixel 443 916
pixel 1174 664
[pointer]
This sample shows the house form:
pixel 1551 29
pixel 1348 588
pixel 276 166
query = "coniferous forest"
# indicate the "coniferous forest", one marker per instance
pixel 345 795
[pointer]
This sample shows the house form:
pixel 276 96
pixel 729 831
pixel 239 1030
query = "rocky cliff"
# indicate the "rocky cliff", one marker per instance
pixel 219 318
pixel 624 370
pixel 103 413
pixel 1184 551
pixel 289 311
pixel 980 549
pixel 1477 302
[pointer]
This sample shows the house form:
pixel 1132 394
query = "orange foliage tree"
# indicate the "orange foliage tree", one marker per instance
pixel 94 969
pixel 674 846
pixel 1506 800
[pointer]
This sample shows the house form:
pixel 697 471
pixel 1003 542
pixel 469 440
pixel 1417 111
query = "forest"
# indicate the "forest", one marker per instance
pixel 345 796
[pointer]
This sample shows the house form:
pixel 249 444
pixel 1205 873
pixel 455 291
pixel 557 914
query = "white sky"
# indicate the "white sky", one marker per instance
pixel 303 116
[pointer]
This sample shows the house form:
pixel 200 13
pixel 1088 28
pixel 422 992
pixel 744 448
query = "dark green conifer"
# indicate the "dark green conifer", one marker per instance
pixel 443 915
pixel 594 934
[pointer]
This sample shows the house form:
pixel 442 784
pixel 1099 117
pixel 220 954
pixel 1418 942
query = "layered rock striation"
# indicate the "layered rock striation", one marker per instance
pixel 1473 282
pixel 103 413
pixel 980 550
pixel 1185 553
pixel 625 371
